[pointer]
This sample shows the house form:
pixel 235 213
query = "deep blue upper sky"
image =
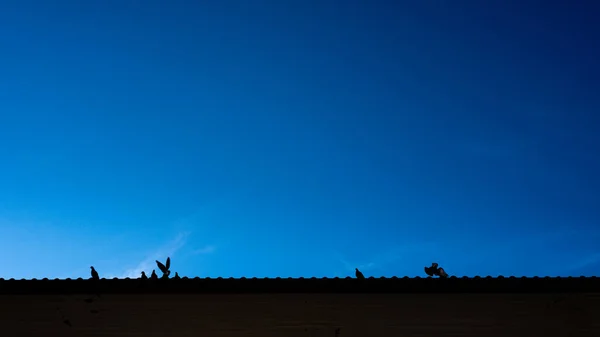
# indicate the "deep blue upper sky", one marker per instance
pixel 299 138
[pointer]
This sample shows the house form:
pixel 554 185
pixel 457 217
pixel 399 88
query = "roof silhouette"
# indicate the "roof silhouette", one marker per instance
pixel 305 285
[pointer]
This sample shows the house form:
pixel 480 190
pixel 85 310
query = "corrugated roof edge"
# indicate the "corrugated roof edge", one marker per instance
pixel 305 285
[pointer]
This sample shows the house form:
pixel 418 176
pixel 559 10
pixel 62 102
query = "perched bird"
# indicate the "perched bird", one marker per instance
pixel 164 268
pixel 153 276
pixel 144 277
pixel 434 270
pixel 431 270
pixel 95 275
pixel 176 276
pixel 359 275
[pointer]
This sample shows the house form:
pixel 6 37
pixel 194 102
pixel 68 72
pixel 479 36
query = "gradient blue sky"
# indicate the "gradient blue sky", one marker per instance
pixel 299 138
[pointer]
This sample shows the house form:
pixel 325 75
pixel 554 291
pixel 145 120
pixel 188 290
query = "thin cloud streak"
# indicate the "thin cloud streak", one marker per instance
pixel 205 250
pixel 585 262
pixel 168 250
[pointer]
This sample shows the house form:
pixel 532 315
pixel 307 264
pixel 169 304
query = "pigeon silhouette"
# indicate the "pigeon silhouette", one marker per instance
pixel 433 270
pixel 359 275
pixel 430 271
pixel 144 277
pixel 164 268
pixel 153 276
pixel 176 276
pixel 95 275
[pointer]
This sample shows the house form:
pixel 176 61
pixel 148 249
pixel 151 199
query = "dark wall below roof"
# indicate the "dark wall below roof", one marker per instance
pixel 306 315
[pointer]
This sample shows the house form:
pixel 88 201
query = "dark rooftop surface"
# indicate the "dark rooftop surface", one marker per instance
pixel 305 285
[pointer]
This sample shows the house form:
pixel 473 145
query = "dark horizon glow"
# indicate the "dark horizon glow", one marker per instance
pixel 299 138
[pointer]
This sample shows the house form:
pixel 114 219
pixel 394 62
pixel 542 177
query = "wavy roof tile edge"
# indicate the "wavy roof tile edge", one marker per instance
pixel 305 285
pixel 500 277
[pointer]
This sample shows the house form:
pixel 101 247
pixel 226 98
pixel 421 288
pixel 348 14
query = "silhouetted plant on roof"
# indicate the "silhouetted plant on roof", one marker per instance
pixel 358 274
pixel 164 268
pixel 434 270
pixel 176 276
pixel 143 276
pixel 153 276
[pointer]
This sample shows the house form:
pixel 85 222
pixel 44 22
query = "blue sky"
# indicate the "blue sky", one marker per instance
pixel 299 138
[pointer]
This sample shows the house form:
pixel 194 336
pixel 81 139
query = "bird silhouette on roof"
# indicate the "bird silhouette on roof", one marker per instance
pixel 95 275
pixel 359 275
pixel 434 270
pixel 153 276
pixel 431 270
pixel 164 268
pixel 144 277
